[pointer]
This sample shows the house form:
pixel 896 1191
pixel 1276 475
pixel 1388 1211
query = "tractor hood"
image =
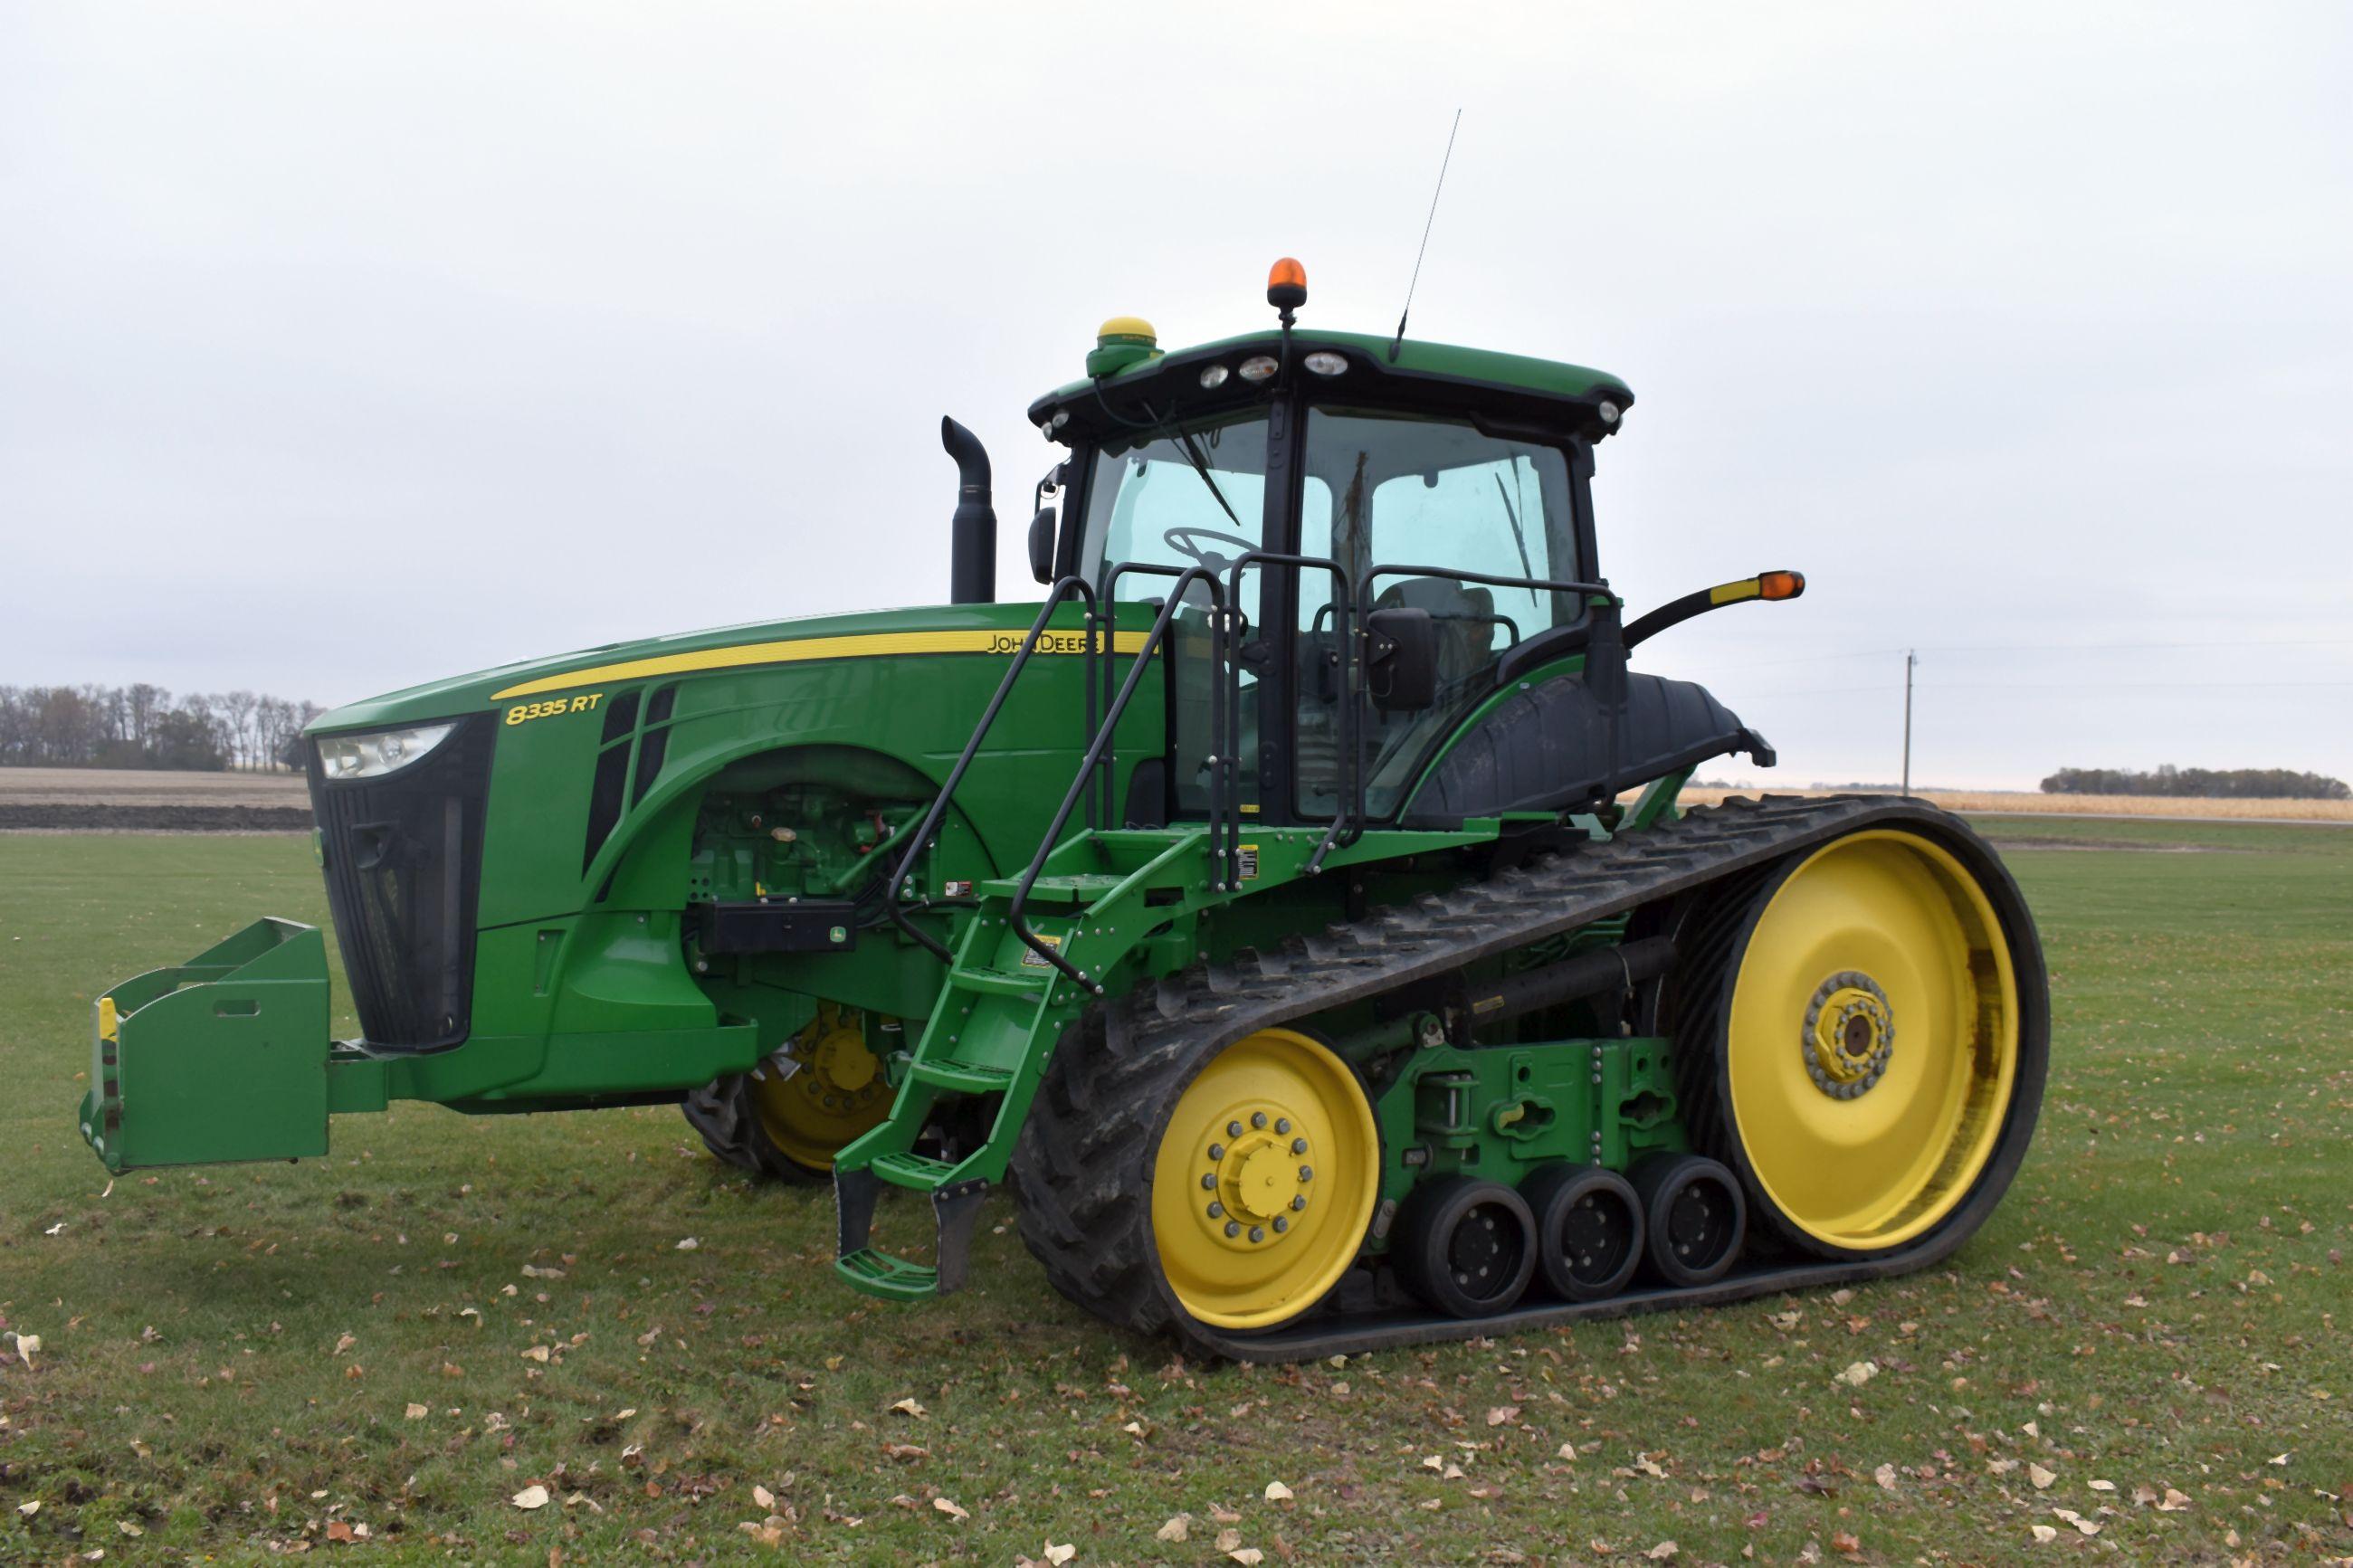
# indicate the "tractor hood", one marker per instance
pixel 928 629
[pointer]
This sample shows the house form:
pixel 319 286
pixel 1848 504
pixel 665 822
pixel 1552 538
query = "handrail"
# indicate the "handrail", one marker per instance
pixel 1118 709
pixel 1061 589
pixel 1485 580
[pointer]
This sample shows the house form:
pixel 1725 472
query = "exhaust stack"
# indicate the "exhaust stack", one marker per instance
pixel 971 533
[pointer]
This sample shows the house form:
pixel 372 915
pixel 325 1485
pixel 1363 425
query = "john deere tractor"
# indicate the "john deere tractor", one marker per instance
pixel 1292 913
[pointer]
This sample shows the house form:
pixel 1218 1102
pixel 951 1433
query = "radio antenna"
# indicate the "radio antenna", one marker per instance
pixel 1399 342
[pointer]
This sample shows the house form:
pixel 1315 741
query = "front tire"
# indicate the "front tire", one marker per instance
pixel 790 1124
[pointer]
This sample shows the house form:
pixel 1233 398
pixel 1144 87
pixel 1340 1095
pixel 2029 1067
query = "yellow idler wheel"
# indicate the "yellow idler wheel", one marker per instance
pixel 1872 1043
pixel 1263 1180
pixel 837 1091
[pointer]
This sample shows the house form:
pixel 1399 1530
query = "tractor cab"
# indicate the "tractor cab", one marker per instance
pixel 1375 537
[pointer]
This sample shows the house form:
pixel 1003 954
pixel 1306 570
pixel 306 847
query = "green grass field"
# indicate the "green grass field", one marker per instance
pixel 2144 1352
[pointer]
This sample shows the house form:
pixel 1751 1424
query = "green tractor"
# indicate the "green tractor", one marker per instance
pixel 1294 911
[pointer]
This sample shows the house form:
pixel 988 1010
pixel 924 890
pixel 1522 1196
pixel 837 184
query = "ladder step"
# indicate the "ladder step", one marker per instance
pixel 964 978
pixel 1080 890
pixel 879 1274
pixel 964 1075
pixel 916 1172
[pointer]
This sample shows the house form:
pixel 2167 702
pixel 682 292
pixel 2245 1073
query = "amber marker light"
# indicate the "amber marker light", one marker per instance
pixel 1286 285
pixel 1780 585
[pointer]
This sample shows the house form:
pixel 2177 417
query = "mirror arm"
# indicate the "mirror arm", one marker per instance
pixel 1768 586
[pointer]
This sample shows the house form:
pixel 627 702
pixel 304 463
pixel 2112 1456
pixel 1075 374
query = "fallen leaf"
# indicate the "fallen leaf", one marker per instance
pixel 765 1497
pixel 2174 1501
pixel 344 1343
pixel 27 1346
pixel 529 1497
pixel 689 1243
pixel 1498 1414
pixel 2041 1477
pixel 2103 1486
pixel 416 1412
pixel 338 1531
pixel 1058 1555
pixel 1664 1551
pixel 949 1508
pixel 1248 1556
pixel 2044 1533
pixel 1176 1529
pixel 1277 1492
pixel 1885 1477
pixel 536 1352
pixel 29 1509
pixel 1845 1544
pixel 1859 1373
pixel 909 1407
pixel 625 1414
pixel 128 1528
pixel 57 1229
pixel 2278 1459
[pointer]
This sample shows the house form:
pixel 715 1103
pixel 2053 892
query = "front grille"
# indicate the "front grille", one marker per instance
pixel 403 858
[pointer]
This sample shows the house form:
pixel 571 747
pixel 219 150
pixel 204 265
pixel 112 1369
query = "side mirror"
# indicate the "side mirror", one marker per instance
pixel 1041 544
pixel 1401 659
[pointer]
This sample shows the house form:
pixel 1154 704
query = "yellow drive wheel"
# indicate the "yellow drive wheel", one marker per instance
pixel 1871 1046
pixel 1263 1180
pixel 836 1090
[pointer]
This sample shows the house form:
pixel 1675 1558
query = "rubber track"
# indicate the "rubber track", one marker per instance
pixel 1084 1159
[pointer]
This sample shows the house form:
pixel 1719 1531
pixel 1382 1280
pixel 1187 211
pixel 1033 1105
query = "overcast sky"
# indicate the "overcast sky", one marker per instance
pixel 343 349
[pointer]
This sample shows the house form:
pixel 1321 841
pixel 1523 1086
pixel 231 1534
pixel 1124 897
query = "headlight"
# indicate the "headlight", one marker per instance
pixel 1258 367
pixel 1324 362
pixel 371 756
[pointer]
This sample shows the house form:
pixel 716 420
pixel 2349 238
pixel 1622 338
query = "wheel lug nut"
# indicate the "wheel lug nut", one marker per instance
pixel 1217 1150
pixel 1233 1129
pixel 1258 1119
pixel 1300 1202
pixel 1283 1124
pixel 1258 1233
pixel 1306 1172
pixel 1210 1180
pixel 1217 1211
pixel 1281 1224
pixel 1233 1228
pixel 1299 1146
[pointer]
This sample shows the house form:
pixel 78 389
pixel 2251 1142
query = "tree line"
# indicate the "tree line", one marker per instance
pixel 2206 783
pixel 145 726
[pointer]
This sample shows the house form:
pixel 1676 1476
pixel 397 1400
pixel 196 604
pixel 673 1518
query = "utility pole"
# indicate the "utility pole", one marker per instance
pixel 1909 661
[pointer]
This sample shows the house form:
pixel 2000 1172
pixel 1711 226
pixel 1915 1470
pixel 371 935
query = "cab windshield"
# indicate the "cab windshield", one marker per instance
pixel 1382 490
pixel 1188 495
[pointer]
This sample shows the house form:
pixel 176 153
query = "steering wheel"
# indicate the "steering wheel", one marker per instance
pixel 1209 557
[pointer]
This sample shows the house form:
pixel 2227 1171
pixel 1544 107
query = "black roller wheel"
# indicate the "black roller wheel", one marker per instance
pixel 1694 1214
pixel 1588 1229
pixel 1465 1247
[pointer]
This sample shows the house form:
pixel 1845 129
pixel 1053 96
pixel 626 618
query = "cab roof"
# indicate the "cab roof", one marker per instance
pixel 1448 377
